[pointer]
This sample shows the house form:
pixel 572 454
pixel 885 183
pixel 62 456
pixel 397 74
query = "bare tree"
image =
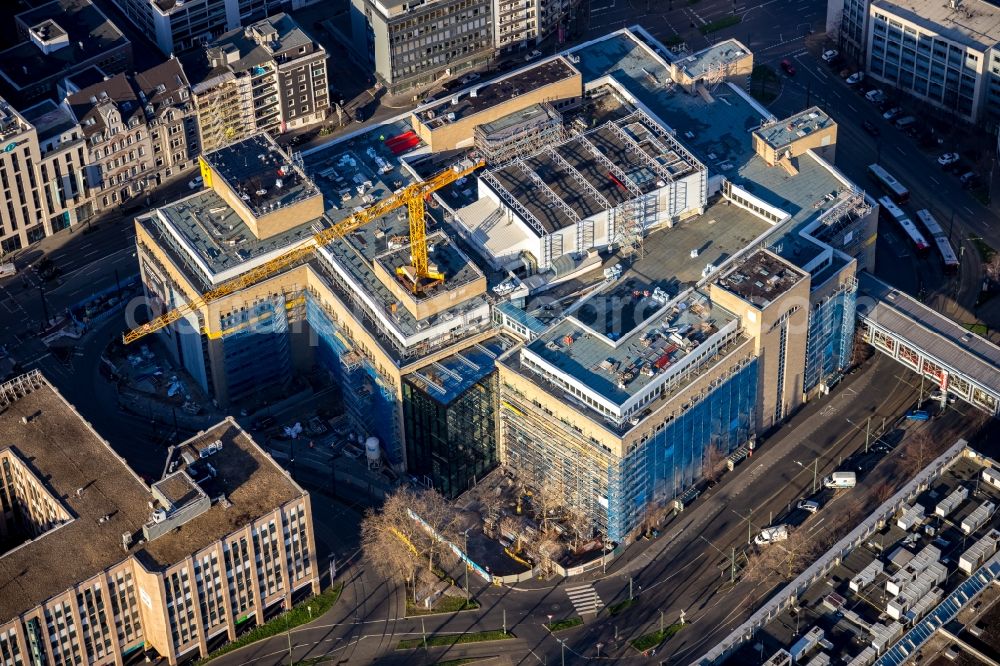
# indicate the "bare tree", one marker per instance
pixel 712 462
pixel 547 499
pixel 882 492
pixel 511 526
pixel 919 449
pixel 781 561
pixel 388 550
pixel 579 524
pixel 440 516
pixel 992 267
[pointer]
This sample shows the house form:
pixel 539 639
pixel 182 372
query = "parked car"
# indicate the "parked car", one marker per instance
pixel 428 99
pixel 893 113
pixel 830 55
pixel 869 127
pixel 904 122
pixel 969 179
pixel 841 480
pixel 262 423
pixel 770 535
pixel 469 78
pixel 788 67
pixel 533 55
pixel 855 78
pixel 875 96
pixel 918 415
pixel 808 505
pixel 196 183
pixel 948 158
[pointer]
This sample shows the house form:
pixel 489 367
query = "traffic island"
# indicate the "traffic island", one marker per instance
pixel 560 625
pixel 621 606
pixel 654 640
pixel 438 640
pixel 444 605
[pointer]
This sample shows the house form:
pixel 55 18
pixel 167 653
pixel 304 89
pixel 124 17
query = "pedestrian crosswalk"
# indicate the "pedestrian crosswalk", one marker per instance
pixel 584 598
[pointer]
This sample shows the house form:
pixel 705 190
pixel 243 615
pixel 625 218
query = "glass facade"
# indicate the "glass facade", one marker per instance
pixel 256 353
pixel 451 444
pixel 831 335
pixel 369 401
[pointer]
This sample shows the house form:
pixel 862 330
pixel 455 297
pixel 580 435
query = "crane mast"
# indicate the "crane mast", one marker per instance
pixel 418 273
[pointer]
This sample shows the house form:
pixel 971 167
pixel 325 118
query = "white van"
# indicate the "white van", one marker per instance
pixel 841 480
pixel 770 535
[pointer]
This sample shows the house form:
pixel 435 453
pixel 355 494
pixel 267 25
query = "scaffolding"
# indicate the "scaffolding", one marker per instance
pixel 20 386
pixel 541 126
pixel 628 227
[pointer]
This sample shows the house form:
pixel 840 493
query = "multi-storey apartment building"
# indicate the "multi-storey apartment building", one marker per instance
pixel 140 131
pixel 176 27
pixel 412 44
pixel 61 38
pixel 268 77
pixel 99 567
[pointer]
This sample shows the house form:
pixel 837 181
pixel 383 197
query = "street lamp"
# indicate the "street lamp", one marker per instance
pixel 466 563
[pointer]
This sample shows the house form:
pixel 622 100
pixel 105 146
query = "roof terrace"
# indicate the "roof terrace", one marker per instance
pixel 783 133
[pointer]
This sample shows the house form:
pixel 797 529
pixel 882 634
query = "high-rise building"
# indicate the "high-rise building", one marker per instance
pixel 410 45
pixel 268 77
pixel 519 24
pixel 60 38
pixel 676 290
pixel 97 566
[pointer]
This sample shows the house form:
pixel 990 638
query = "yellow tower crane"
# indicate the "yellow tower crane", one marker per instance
pixel 418 273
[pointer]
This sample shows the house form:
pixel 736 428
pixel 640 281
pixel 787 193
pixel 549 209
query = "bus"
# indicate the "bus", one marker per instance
pixel 941 241
pixel 887 182
pixel 896 214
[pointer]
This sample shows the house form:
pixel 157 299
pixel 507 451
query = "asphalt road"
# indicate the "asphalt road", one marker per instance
pixel 679 570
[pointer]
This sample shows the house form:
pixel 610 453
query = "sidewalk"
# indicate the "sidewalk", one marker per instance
pixel 642 552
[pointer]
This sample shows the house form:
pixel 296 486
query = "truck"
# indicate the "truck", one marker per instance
pixel 770 535
pixel 841 480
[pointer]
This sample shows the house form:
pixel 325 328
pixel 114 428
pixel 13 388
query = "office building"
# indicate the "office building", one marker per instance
pixel 947 55
pixel 60 38
pixel 44 187
pixel 677 288
pixel 176 26
pixel 412 45
pixel 268 77
pixel 140 131
pixel 99 567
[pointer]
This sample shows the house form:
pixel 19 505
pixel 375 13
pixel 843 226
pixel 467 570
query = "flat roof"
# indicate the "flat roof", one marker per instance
pixel 262 174
pixel 964 351
pixel 863 611
pixel 49 119
pixel 793 128
pixel 251 482
pixel 205 225
pixel 496 91
pixel 534 114
pixel 643 151
pixel 443 254
pixel 90 34
pixel 975 23
pixel 717 132
pixel 711 59
pixel 66 454
pixel 619 370
pixel 760 278
pixel 107 499
pixel 448 378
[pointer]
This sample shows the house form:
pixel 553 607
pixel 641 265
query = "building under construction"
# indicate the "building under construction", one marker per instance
pixel 649 271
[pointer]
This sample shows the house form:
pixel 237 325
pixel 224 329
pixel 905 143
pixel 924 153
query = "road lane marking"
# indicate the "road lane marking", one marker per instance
pixel 851 107
pixel 966 208
pixel 901 151
pixel 934 180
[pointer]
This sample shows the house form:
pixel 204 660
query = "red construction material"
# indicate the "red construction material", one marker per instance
pixel 616 181
pixel 662 362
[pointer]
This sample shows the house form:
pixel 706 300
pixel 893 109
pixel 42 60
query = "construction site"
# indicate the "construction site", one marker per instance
pixel 531 275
